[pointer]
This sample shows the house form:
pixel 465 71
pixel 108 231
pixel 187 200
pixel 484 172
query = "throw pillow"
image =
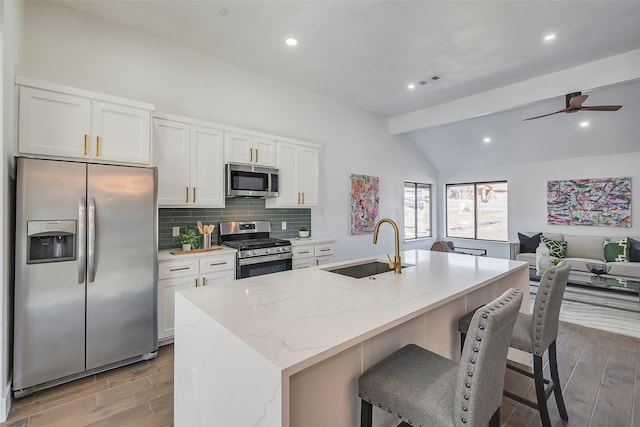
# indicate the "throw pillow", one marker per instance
pixel 615 251
pixel 528 244
pixel 557 248
pixel 634 250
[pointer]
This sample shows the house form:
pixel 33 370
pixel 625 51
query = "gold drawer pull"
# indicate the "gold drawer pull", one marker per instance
pixel 303 252
pixel 179 268
pixel 325 249
pixel 213 264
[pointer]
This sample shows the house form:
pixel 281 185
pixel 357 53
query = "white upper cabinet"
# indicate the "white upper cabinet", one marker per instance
pixel 207 167
pixel 189 158
pixel 57 121
pixel 299 166
pixel 53 124
pixel 120 133
pixel 252 149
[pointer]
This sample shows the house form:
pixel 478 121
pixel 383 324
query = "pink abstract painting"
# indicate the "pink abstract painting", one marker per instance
pixel 364 203
pixel 599 202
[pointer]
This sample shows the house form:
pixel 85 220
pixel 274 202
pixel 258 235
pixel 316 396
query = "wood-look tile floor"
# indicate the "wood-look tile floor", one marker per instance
pixel 599 371
pixel 136 395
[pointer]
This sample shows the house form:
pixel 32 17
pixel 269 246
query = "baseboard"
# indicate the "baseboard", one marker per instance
pixel 5 404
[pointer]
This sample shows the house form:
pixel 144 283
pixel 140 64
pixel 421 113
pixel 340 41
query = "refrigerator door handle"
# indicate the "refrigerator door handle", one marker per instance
pixel 91 241
pixel 82 226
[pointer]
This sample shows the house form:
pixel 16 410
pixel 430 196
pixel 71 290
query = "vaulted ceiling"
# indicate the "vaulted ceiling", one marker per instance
pixel 365 53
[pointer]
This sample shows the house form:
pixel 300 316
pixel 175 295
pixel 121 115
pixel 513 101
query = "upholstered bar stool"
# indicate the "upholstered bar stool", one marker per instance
pixel 535 333
pixel 425 389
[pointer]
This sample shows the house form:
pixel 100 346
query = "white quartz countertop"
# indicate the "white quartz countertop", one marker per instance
pixel 300 317
pixel 310 241
pixel 165 255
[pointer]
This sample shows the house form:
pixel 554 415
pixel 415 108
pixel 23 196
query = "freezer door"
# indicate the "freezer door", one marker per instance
pixel 49 298
pixel 121 263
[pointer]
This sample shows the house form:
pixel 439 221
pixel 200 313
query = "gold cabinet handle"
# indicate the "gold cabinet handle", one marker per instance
pixel 256 155
pixel 251 154
pixel 179 268
pixel 85 144
pixel 97 146
pixel 186 194
pixel 194 194
pixel 213 264
pixel 204 281
pixel 303 198
pixel 196 280
pixel 298 198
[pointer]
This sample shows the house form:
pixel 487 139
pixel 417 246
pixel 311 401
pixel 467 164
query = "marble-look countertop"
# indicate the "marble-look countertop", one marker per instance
pixel 297 318
pixel 310 241
pixel 165 254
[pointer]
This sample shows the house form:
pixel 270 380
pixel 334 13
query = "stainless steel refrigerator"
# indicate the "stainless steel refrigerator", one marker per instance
pixel 86 270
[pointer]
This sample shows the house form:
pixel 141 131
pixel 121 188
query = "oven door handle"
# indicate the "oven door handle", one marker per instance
pixel 264 258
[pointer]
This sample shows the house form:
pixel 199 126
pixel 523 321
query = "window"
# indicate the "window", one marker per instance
pixel 417 210
pixel 478 210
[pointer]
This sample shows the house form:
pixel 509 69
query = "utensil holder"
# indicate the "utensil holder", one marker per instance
pixel 206 241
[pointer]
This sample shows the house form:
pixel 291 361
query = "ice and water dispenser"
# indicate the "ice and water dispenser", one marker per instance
pixel 51 241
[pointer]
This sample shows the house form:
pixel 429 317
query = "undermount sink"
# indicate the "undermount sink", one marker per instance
pixel 358 271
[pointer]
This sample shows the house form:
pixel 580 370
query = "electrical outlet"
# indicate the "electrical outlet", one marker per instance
pixel 176 231
pixel 284 225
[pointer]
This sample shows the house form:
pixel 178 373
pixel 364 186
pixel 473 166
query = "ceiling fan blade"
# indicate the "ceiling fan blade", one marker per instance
pixel 576 101
pixel 602 107
pixel 564 110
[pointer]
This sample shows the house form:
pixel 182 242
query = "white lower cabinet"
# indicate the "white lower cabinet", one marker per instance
pixel 310 253
pixel 185 272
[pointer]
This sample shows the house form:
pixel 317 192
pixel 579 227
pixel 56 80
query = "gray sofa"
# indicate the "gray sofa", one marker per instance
pixel 582 250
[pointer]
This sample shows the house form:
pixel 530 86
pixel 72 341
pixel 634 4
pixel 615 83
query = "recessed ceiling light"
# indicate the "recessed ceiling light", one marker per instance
pixel 584 124
pixel 411 86
pixel 291 41
pixel 549 37
pixel 486 140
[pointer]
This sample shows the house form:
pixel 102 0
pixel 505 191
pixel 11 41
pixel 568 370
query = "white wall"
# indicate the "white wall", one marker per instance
pixel 528 193
pixel 75 49
pixel 11 18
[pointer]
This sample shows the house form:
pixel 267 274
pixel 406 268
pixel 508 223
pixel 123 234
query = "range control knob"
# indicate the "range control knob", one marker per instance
pixel 255 252
pixel 278 249
pixel 267 251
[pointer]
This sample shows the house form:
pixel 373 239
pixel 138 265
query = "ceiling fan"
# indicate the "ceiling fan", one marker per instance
pixel 574 104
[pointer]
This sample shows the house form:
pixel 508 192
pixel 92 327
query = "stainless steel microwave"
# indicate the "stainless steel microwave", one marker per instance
pixel 250 181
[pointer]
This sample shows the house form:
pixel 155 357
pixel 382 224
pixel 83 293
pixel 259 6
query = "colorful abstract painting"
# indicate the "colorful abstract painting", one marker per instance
pixel 600 202
pixel 364 203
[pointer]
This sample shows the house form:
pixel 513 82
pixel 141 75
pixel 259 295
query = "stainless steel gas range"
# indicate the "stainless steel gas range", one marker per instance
pixel 257 252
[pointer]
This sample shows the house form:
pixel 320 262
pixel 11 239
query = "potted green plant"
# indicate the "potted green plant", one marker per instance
pixel 188 239
pixel 303 232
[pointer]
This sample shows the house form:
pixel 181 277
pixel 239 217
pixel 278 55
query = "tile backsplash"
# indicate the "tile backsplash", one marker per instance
pixel 240 209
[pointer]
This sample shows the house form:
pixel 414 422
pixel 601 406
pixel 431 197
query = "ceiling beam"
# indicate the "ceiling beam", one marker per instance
pixel 605 72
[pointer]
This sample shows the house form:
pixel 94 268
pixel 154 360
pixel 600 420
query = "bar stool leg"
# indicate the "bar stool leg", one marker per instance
pixel 557 388
pixel 366 414
pixel 495 419
pixel 540 393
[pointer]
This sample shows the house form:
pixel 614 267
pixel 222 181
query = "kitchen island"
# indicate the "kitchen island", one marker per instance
pixel 286 349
